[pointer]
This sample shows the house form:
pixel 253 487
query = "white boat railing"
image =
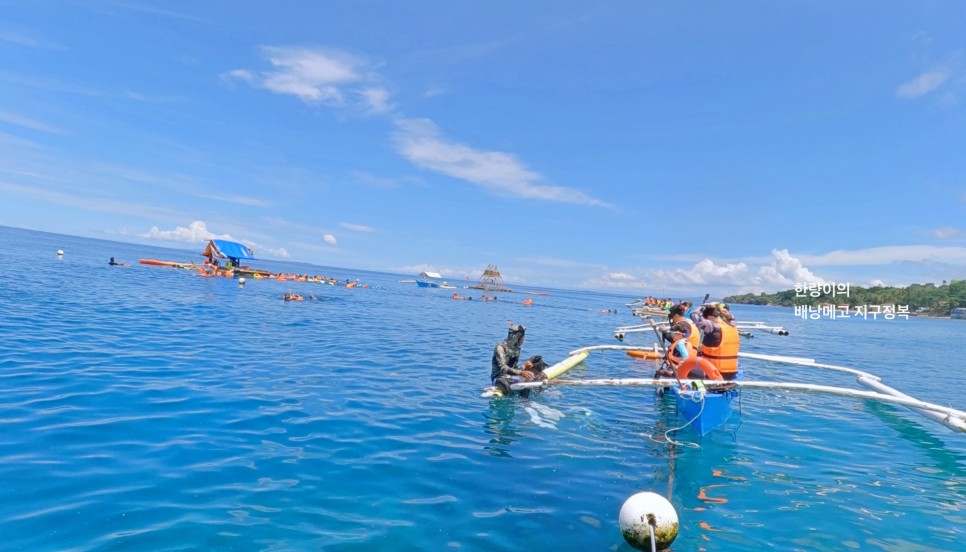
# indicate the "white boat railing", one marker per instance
pixel 741 326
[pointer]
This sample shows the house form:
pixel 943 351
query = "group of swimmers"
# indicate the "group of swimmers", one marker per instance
pixel 459 297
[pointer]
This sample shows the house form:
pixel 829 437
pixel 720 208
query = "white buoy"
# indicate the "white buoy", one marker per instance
pixel 241 281
pixel 60 252
pixel 645 514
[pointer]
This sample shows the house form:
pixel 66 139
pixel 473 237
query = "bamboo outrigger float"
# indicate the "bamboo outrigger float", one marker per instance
pixel 950 417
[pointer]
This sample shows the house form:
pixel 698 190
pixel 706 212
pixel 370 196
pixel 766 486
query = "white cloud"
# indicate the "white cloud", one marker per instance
pixel 433 91
pixel 558 263
pixel 197 231
pixel 782 272
pixel 889 255
pixel 240 74
pixel 28 40
pixel 922 84
pixel 28 123
pixel 240 200
pixel 377 99
pixel 330 239
pixel 316 76
pixel 946 233
pixel 280 252
pixel 614 280
pixel 87 203
pixel 356 227
pixel 419 141
pixel 374 181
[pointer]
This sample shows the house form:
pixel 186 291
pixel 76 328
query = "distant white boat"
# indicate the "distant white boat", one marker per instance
pixel 432 280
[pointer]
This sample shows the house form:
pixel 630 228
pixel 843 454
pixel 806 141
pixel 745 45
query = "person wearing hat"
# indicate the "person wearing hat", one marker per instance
pixel 506 355
pixel 676 317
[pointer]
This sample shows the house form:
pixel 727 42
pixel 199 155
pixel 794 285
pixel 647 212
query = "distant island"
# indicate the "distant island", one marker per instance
pixel 922 299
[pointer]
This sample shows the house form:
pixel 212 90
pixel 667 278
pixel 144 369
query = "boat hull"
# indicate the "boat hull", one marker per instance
pixel 423 284
pixel 172 264
pixel 704 410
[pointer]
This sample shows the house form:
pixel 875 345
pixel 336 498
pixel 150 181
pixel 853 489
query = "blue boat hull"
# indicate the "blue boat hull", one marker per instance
pixel 704 410
pixel 421 283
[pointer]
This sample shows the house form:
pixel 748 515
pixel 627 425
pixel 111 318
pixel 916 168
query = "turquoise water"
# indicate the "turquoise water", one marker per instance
pixel 148 408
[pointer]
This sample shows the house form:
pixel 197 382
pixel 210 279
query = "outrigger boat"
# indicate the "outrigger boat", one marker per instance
pixel 705 405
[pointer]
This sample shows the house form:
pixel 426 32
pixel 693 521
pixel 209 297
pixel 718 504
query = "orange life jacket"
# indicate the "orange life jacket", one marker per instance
pixel 695 338
pixel 672 357
pixel 725 355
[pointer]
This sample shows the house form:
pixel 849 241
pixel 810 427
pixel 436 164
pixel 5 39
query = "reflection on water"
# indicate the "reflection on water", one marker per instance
pixel 498 422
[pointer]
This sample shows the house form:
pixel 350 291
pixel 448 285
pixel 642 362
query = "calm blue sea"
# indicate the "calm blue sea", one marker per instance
pixel 147 408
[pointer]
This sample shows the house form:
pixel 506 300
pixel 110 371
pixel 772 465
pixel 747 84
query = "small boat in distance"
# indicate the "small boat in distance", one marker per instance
pixel 432 280
pixel 172 264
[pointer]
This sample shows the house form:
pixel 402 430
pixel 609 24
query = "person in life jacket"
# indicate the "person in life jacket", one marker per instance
pixel 677 352
pixel 676 317
pixel 720 341
pixel 506 355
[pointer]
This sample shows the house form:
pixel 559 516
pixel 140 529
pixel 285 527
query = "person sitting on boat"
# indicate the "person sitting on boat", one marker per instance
pixel 720 341
pixel 506 355
pixel 676 316
pixel 679 351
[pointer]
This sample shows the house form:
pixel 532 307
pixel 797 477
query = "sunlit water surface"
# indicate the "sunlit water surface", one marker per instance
pixel 147 408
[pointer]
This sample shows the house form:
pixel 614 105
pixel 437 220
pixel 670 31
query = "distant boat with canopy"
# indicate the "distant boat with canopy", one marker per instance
pixel 432 280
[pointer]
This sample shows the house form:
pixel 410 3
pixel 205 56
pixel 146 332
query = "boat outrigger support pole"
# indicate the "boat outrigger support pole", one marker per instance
pixel 948 416
pixel 953 419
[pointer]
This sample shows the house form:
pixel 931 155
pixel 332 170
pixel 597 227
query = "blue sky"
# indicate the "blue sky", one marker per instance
pixel 648 147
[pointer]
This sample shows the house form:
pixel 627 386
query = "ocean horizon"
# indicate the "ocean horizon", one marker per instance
pixel 149 408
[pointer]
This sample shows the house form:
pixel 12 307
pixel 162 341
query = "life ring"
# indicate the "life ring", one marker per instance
pixel 700 364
